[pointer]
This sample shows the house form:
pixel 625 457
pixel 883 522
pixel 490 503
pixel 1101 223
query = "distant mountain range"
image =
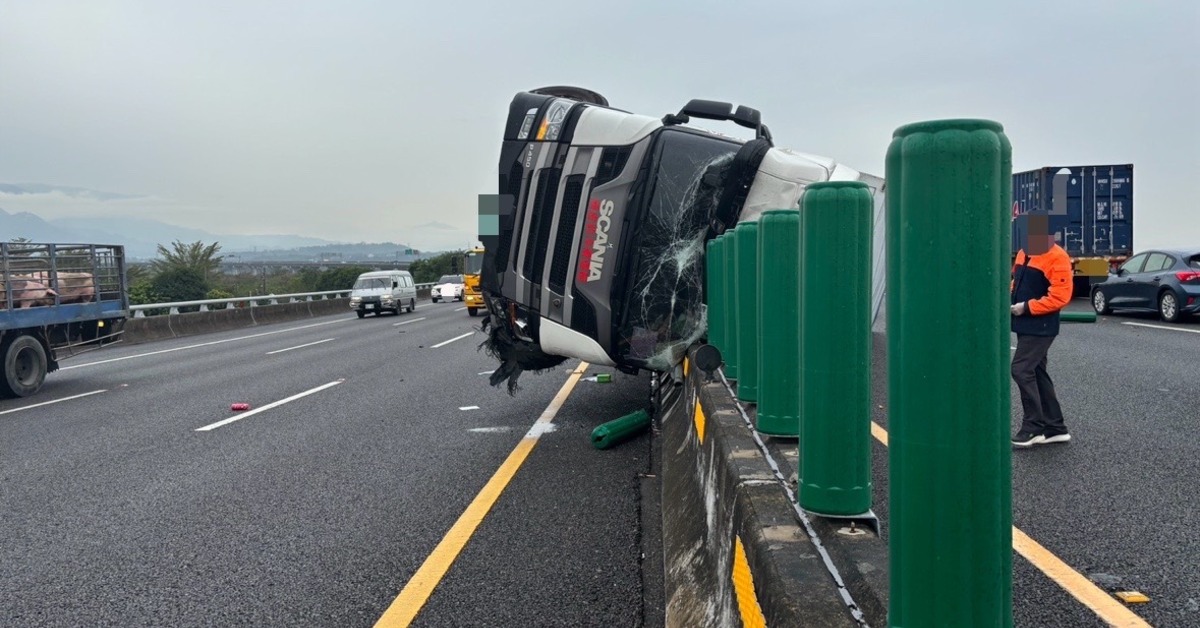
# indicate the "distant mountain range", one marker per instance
pixel 141 236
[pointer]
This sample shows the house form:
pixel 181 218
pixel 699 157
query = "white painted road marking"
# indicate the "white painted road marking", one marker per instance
pixel 460 309
pixel 203 344
pixel 1190 331
pixel 469 408
pixel 274 404
pixel 487 372
pixel 408 321
pixel 46 403
pixel 300 346
pixel 442 344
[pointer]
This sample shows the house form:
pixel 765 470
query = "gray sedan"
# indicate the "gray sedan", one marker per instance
pixel 1166 281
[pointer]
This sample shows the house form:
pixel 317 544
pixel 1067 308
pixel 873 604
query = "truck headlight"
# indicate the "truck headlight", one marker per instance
pixel 552 124
pixel 355 301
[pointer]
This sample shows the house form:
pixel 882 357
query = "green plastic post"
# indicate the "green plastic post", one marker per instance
pixel 835 348
pixel 620 430
pixel 714 277
pixel 729 351
pixel 1077 317
pixel 746 287
pixel 778 301
pixel 948 240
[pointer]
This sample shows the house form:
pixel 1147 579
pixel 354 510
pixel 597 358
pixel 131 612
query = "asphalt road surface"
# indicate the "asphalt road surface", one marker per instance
pixel 1118 503
pixel 127 500
pixel 117 507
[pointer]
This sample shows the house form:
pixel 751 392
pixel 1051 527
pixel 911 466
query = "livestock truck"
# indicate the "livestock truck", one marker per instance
pixel 595 246
pixel 56 300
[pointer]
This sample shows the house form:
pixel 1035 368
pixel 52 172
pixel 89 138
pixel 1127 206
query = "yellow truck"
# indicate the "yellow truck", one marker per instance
pixel 472 264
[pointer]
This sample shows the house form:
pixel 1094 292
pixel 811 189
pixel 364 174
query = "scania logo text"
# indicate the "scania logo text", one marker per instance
pixel 597 223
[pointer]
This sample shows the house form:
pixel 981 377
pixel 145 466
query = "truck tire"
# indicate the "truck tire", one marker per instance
pixel 24 367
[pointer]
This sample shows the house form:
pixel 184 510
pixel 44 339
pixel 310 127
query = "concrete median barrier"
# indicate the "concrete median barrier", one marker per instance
pixel 279 313
pixel 147 329
pixel 324 307
pixel 152 328
pixel 736 549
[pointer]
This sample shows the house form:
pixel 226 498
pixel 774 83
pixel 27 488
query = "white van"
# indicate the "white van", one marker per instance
pixel 382 290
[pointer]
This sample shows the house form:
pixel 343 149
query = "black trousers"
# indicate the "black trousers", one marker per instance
pixel 1043 415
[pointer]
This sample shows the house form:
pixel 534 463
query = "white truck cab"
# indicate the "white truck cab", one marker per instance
pixel 602 220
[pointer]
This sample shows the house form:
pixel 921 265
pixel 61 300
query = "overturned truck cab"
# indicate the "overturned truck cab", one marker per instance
pixel 602 220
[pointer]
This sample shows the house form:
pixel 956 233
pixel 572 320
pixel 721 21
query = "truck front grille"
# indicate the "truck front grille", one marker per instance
pixel 511 187
pixel 539 227
pixel 583 315
pixel 566 236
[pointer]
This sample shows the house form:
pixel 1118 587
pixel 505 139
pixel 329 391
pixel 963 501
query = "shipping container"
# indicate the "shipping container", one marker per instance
pixel 1090 207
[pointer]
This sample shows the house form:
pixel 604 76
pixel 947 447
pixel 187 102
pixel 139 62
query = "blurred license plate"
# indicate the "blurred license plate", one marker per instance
pixel 370 306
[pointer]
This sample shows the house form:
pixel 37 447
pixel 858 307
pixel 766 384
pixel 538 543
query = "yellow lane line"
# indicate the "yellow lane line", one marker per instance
pixel 1102 604
pixel 403 610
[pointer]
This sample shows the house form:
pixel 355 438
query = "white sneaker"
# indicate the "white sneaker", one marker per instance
pixel 1027 439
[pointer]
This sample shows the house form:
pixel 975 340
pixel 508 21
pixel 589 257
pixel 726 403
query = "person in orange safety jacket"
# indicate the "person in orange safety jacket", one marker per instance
pixel 1041 286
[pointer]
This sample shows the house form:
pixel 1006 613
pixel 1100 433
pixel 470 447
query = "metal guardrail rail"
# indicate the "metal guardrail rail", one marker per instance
pixel 142 311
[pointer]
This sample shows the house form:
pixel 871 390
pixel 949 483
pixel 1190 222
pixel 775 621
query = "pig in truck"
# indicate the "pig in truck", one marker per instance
pixel 56 300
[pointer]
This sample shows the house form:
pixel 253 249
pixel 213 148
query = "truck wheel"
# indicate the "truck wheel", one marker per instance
pixel 24 367
pixel 473 311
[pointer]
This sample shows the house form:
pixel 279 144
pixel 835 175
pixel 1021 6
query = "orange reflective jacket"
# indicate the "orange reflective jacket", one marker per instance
pixel 1044 283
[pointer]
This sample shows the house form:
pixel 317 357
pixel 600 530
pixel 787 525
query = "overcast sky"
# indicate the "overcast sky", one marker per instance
pixel 355 120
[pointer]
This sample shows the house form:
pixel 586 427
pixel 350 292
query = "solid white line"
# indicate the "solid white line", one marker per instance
pixel 442 344
pixel 46 403
pixel 300 346
pixel 1190 331
pixel 469 408
pixel 203 344
pixel 408 321
pixel 487 372
pixel 275 404
pixel 460 309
